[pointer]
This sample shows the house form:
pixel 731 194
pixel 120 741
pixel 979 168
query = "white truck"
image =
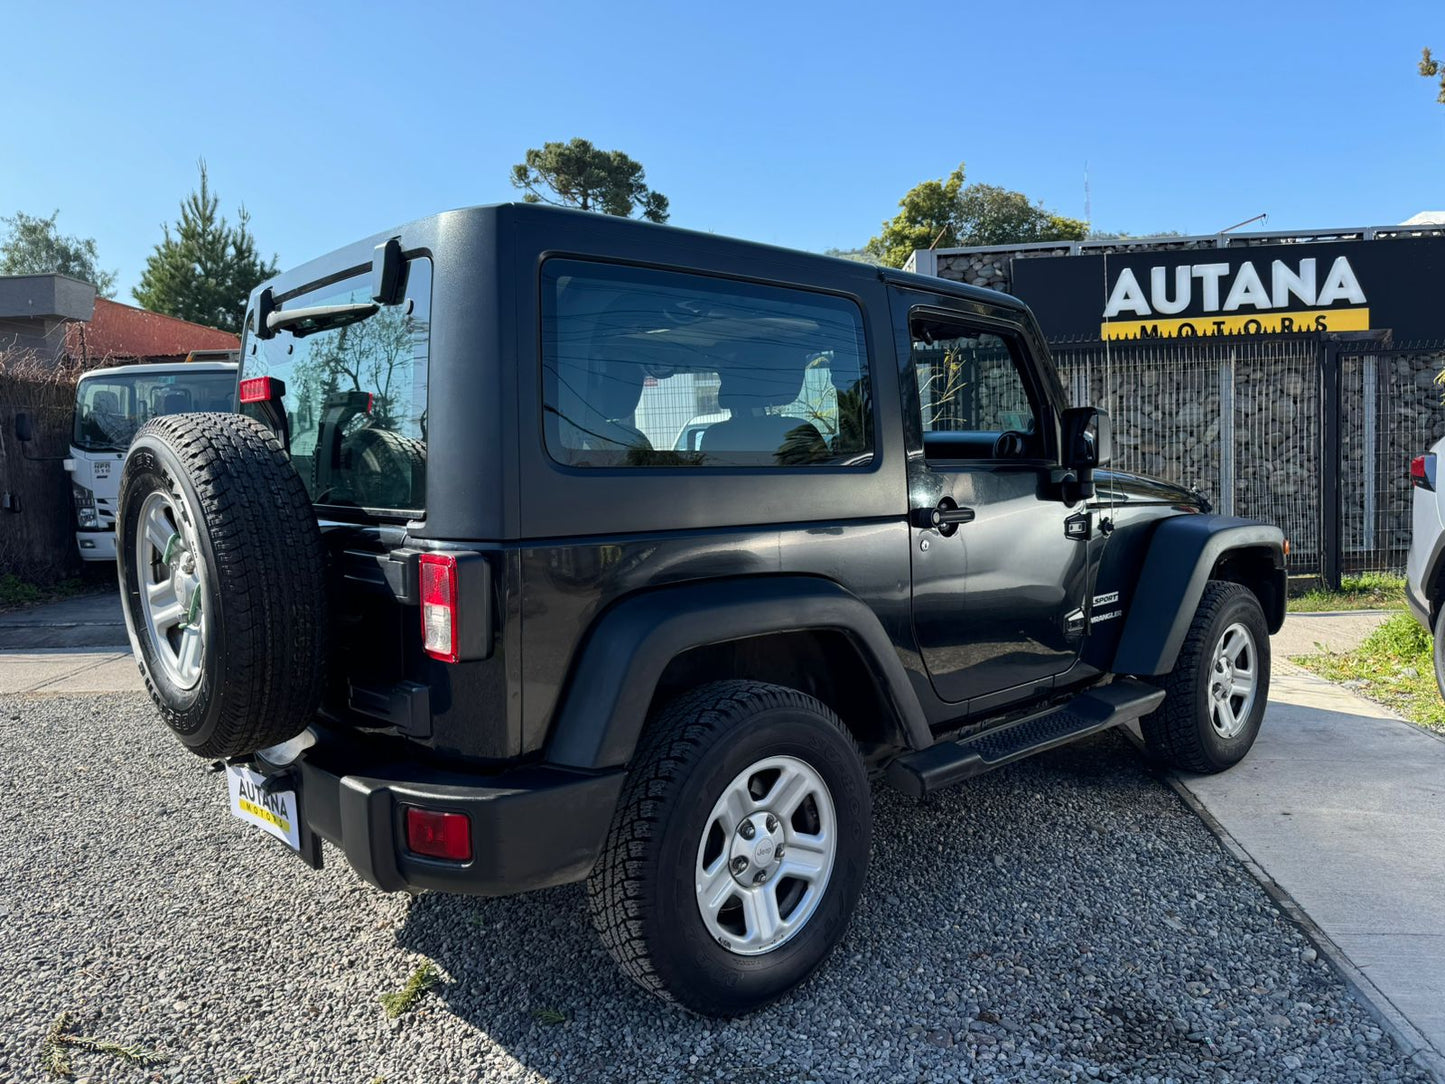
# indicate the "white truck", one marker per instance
pixel 110 405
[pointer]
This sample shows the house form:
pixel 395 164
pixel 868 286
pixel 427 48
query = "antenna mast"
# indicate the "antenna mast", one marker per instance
pixel 1088 204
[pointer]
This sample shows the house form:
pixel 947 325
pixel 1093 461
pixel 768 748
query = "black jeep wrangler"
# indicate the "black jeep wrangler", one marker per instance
pixel 551 546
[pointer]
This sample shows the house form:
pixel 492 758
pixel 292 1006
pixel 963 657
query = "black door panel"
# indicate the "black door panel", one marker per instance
pixel 999 603
pixel 999 580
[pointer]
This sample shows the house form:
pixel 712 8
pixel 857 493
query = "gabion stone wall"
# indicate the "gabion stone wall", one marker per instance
pixel 1242 420
pixel 1392 413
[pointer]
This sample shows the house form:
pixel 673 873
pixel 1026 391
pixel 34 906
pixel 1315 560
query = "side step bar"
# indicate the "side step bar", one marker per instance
pixel 927 770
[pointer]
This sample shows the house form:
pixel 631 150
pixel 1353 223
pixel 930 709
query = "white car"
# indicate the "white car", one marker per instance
pixel 1425 566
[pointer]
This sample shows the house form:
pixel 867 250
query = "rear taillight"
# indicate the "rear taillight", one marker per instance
pixel 259 389
pixel 439 605
pixel 439 835
pixel 1422 471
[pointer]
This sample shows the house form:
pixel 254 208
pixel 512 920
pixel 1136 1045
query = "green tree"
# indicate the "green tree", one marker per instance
pixel 1430 69
pixel 927 217
pixel 577 174
pixel 948 213
pixel 206 268
pixel 34 246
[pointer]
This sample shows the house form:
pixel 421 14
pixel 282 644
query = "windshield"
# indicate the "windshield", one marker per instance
pixel 355 402
pixel 110 408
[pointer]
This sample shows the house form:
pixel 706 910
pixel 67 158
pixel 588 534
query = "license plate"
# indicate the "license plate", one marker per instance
pixel 273 813
pixel 102 470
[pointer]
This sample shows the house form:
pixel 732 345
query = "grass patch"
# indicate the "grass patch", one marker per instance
pixel 1368 591
pixel 17 593
pixel 55 1051
pixel 1395 666
pixel 404 1000
pixel 549 1018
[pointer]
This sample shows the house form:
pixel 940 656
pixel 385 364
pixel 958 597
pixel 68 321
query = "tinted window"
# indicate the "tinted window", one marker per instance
pixel 355 397
pixel 971 392
pixel 647 368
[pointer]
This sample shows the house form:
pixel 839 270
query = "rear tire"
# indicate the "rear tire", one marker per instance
pixel 221 579
pixel 1215 695
pixel 714 888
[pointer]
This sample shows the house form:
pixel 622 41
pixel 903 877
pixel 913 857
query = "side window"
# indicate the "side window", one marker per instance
pixel 973 399
pixel 645 368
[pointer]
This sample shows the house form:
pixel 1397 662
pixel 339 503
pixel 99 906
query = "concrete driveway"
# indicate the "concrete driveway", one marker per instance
pixel 91 621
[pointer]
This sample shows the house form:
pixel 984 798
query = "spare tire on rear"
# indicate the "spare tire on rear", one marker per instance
pixel 221 580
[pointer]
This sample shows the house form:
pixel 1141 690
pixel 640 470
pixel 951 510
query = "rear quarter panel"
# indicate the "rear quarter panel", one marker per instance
pixel 607 533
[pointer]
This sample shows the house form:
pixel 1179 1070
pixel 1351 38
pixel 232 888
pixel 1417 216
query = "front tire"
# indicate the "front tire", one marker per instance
pixel 1215 695
pixel 738 850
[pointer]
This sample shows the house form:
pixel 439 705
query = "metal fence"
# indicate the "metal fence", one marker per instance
pixel 1314 433
pixel 1390 412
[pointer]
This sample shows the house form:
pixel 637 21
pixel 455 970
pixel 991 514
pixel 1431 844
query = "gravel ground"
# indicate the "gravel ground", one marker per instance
pixel 1064 919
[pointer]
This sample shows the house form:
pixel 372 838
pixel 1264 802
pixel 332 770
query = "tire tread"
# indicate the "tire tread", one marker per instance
pixel 616 888
pixel 270 569
pixel 1171 733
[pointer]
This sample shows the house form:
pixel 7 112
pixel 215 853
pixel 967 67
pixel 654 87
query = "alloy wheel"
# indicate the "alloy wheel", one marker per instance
pixel 1233 681
pixel 766 853
pixel 171 583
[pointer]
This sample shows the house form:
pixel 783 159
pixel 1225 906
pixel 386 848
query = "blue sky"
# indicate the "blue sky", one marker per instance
pixel 796 123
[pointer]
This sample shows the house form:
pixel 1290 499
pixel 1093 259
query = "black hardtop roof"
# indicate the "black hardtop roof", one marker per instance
pixel 950 286
pixel 345 260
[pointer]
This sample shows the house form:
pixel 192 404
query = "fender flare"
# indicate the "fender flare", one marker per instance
pixel 1182 553
pixel 604 707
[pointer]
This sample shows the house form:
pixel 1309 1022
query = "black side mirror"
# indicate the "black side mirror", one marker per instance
pixel 1088 443
pixel 1088 438
pixel 23 431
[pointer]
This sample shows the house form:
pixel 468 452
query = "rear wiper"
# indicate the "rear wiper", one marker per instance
pixel 303 322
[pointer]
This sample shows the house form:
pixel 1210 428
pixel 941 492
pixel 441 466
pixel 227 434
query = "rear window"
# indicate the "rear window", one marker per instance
pixel 647 368
pixel 356 396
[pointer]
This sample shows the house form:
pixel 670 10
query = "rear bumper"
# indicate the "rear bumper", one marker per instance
pixel 531 827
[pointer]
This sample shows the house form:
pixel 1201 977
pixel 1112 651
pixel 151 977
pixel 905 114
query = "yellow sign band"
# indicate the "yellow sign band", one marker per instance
pixel 1260 323
pixel 265 814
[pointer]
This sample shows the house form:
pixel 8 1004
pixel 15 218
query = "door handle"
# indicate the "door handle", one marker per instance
pixel 945 517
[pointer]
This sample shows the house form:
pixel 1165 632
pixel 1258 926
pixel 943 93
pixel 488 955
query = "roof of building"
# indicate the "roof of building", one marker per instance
pixel 49 296
pixel 124 331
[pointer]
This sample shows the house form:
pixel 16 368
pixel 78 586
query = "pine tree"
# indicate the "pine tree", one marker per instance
pixel 205 268
pixel 577 174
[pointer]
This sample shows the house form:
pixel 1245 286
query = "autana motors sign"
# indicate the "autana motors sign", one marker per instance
pixel 1260 290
